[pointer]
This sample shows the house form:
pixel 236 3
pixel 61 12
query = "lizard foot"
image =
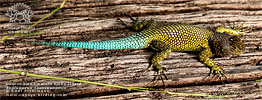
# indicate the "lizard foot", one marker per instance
pixel 217 71
pixel 234 30
pixel 160 72
pixel 137 25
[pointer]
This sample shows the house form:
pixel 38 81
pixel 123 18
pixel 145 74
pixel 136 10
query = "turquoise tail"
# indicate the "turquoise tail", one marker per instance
pixel 136 41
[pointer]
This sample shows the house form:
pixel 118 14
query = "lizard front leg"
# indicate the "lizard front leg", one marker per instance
pixel 233 30
pixel 204 56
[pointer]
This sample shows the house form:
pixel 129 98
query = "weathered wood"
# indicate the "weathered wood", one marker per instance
pixel 95 20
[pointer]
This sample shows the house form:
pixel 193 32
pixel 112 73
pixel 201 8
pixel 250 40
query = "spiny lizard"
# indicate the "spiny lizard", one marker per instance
pixel 175 37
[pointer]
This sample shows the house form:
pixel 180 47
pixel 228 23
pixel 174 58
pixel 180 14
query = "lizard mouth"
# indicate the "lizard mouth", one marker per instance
pixel 231 50
pixel 236 50
pixel 235 53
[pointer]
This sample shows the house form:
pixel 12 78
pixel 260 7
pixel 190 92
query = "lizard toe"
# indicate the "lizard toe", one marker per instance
pixel 217 71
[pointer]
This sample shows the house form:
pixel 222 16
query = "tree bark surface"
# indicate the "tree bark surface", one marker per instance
pixel 95 20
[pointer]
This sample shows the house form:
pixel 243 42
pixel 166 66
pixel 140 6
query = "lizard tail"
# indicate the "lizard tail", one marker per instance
pixel 136 41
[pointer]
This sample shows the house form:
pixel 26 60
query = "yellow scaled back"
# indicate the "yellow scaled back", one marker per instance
pixel 181 37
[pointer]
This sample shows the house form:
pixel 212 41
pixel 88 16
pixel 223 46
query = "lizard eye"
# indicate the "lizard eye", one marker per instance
pixel 234 39
pixel 234 48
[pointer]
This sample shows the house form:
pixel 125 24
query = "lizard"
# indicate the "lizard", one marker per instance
pixel 221 41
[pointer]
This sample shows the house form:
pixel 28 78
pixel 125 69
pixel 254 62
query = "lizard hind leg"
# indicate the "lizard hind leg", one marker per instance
pixel 138 26
pixel 163 51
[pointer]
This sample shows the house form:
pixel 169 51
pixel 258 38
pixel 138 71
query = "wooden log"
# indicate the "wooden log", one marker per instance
pixel 95 20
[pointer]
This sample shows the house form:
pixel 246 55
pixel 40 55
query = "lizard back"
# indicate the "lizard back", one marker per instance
pixel 181 37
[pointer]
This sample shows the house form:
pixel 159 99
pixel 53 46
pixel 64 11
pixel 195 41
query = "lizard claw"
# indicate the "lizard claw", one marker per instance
pixel 234 30
pixel 144 71
pixel 217 71
pixel 160 72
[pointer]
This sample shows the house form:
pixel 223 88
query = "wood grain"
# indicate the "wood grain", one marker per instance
pixel 95 20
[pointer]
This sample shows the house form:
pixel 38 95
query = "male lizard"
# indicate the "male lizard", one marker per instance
pixel 222 41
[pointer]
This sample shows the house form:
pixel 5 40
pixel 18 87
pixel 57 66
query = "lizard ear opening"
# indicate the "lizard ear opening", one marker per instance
pixel 220 48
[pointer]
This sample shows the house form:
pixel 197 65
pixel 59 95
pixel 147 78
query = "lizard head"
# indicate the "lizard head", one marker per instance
pixel 227 45
pixel 236 45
